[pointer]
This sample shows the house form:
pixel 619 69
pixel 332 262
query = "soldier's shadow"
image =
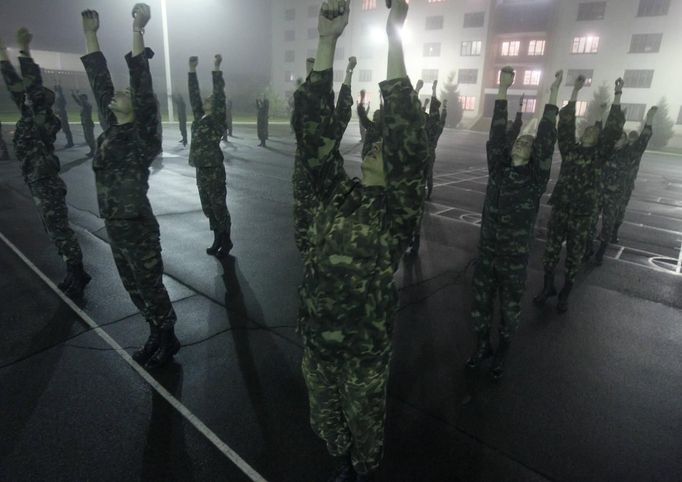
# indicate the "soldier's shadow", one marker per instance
pixel 66 167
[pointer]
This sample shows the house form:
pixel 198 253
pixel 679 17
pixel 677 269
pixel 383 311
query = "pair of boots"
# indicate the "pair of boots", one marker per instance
pixel 222 244
pixel 484 350
pixel 549 291
pixel 262 144
pixel 346 473
pixel 160 347
pixel 75 281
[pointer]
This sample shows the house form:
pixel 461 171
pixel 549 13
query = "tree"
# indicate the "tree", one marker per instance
pixel 451 93
pixel 594 109
pixel 663 126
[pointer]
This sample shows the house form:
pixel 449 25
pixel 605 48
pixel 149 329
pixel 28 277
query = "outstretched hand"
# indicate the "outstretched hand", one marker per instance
pixel 24 38
pixel 396 19
pixel 193 62
pixel 217 61
pixel 579 83
pixel 619 84
pixel 419 86
pixel 141 15
pixel 434 89
pixel 507 75
pixel 352 63
pixel 90 21
pixel 651 114
pixel 558 78
pixel 333 18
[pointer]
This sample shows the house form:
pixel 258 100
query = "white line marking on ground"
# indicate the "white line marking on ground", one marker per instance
pixel 184 411
pixel 620 252
pixel 679 261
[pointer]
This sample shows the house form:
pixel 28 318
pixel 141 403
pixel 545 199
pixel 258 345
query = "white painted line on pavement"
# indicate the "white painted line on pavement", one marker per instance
pixel 620 252
pixel 679 261
pixel 184 411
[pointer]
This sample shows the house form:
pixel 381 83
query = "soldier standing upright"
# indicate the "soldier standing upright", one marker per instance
pixel 435 123
pixel 518 176
pixel 34 137
pixel 63 115
pixel 125 152
pixel 206 156
pixel 86 121
pixel 263 107
pixel 181 109
pixel 357 235
pixel 575 194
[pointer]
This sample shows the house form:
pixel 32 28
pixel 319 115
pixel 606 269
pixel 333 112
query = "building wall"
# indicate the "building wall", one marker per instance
pixel 554 21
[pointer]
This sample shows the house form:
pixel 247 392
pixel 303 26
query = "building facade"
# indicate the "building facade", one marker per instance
pixel 467 42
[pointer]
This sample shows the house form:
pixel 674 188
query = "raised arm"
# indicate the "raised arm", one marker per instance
pixel 405 144
pixel 219 100
pixel 362 112
pixel 513 134
pixel 566 133
pixel 647 131
pixel 193 89
pixel 498 126
pixel 96 68
pixel 33 80
pixel 13 82
pixel 546 137
pixel 344 103
pixel 613 129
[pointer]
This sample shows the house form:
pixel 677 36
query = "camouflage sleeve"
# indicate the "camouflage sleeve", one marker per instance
pixel 344 109
pixel 543 146
pixel 33 83
pixel 317 133
pixel 566 131
pixel 219 99
pixel 405 152
pixel 195 95
pixel 640 146
pixel 102 87
pixel 365 122
pixel 610 134
pixel 513 134
pixel 13 82
pixel 443 117
pixel 145 104
pixel 497 141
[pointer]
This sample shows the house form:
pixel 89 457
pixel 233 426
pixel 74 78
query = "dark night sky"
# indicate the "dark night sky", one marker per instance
pixel 239 29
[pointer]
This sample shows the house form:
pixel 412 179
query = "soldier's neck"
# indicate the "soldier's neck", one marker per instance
pixel 122 119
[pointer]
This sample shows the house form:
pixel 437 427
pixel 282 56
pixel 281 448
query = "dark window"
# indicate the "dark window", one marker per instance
pixel 313 11
pixel 633 112
pixel 638 78
pixel 571 75
pixel 430 75
pixel 474 19
pixel 289 56
pixel 645 43
pixel 591 11
pixel 432 50
pixel 289 35
pixel 470 48
pixel 679 117
pixel 434 23
pixel 365 76
pixel 653 8
pixel 468 76
pixel 290 14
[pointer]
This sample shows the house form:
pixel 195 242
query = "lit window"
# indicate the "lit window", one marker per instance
pixel 468 103
pixel 528 106
pixel 532 77
pixel 585 45
pixel 470 48
pixel 435 1
pixel 288 76
pixel 369 4
pixel 432 50
pixel 536 48
pixel 511 49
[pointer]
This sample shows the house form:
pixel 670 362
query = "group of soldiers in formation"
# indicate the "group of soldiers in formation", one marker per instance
pixel 351 233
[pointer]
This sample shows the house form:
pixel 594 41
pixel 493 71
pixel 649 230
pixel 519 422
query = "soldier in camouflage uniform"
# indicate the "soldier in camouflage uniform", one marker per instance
pixel 518 176
pixel 304 202
pixel 372 128
pixel 34 138
pixel 638 143
pixel 514 126
pixel 207 157
pixel 125 151
pixel 356 236
pixel 575 194
pixel 181 110
pixel 263 115
pixel 60 105
pixel 4 151
pixel 87 122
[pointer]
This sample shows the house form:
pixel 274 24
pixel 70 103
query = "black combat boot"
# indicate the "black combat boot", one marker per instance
pixel 614 235
pixel 547 291
pixel 562 304
pixel 589 251
pixel 169 345
pixel 497 368
pixel 482 351
pixel 143 355
pixel 599 257
pixel 75 281
pixel 225 245
pixel 345 471
pixel 213 249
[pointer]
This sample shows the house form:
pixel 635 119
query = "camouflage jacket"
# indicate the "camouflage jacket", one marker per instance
pixel 515 130
pixel 86 110
pixel 358 234
pixel 636 153
pixel 304 200
pixel 124 152
pixel 37 128
pixel 513 193
pixel 579 180
pixel 372 131
pixel 434 124
pixel 207 130
pixel 615 171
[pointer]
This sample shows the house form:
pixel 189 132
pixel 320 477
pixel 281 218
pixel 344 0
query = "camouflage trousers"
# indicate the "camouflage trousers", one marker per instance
pixel 89 133
pixel 612 202
pixel 211 182
pixel 137 254
pixel 598 211
pixel 624 201
pixel 574 229
pixel 429 174
pixel 347 396
pixel 183 130
pixel 4 151
pixel 263 129
pixel 49 196
pixel 66 129
pixel 498 276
